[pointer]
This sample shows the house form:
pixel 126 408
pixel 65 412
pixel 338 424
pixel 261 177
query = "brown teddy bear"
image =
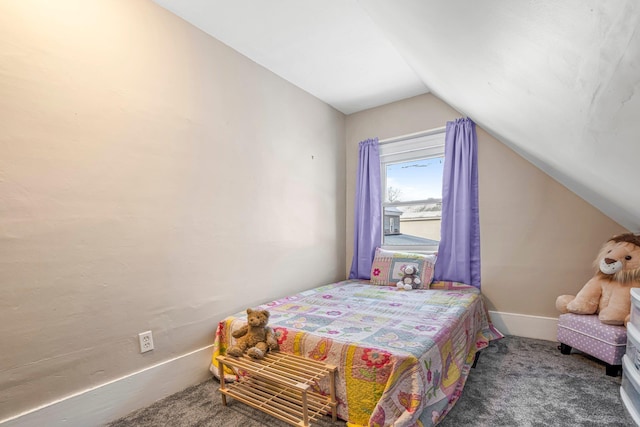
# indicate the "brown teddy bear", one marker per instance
pixel 256 338
pixel 410 279
pixel 608 293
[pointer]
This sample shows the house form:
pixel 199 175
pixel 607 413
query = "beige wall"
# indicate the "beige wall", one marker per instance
pixel 538 239
pixel 150 178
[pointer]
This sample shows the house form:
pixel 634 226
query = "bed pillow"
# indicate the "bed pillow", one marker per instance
pixel 386 267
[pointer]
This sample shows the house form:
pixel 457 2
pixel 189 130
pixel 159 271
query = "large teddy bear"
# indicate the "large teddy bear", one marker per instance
pixel 608 291
pixel 256 338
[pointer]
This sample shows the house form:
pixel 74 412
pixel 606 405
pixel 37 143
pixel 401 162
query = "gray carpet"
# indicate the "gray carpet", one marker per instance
pixel 517 382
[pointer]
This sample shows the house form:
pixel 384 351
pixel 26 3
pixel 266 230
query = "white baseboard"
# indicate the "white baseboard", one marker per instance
pixel 110 401
pixel 523 325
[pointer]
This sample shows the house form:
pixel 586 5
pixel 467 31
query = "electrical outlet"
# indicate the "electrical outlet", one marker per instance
pixel 146 341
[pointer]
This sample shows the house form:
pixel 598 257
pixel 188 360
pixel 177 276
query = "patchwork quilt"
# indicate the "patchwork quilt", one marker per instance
pixel 403 357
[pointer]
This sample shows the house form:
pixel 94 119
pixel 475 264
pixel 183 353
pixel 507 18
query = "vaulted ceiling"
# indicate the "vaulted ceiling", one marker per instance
pixel 557 81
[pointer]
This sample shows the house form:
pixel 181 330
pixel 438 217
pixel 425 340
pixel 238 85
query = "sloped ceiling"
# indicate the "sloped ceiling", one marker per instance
pixel 331 49
pixel 558 81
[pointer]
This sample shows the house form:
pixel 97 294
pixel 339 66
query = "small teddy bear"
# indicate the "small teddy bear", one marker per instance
pixel 256 338
pixel 410 279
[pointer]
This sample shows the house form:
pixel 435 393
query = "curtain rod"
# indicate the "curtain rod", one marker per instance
pixel 412 135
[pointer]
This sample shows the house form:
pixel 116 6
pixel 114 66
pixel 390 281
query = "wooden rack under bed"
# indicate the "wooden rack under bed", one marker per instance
pixel 280 385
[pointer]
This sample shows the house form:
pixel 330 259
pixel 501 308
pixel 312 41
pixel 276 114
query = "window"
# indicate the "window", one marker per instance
pixel 411 172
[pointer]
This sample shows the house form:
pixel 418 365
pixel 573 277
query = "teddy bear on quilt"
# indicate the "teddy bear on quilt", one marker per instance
pixel 608 292
pixel 255 338
pixel 410 279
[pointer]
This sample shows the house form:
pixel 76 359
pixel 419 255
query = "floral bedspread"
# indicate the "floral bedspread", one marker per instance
pixel 403 357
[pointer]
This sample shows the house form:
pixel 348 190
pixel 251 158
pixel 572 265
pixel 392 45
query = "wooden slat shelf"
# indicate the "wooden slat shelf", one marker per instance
pixel 279 385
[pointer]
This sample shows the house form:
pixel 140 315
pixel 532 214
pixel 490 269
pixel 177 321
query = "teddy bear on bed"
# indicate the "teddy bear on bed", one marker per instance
pixel 410 279
pixel 608 293
pixel 255 338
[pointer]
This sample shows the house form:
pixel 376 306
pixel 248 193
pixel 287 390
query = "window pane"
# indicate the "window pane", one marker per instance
pixel 412 185
pixel 412 225
pixel 414 180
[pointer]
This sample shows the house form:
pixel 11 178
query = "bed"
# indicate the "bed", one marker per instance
pixel 403 357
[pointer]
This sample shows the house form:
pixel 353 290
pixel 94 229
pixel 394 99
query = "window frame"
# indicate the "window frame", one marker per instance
pixel 417 146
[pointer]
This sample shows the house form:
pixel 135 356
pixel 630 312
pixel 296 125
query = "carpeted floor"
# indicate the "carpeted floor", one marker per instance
pixel 527 382
pixel 517 382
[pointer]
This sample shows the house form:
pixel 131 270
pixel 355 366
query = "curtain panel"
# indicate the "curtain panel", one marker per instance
pixel 368 210
pixel 459 250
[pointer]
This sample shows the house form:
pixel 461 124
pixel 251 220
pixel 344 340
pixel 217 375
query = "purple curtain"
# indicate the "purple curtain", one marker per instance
pixel 459 250
pixel 368 210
